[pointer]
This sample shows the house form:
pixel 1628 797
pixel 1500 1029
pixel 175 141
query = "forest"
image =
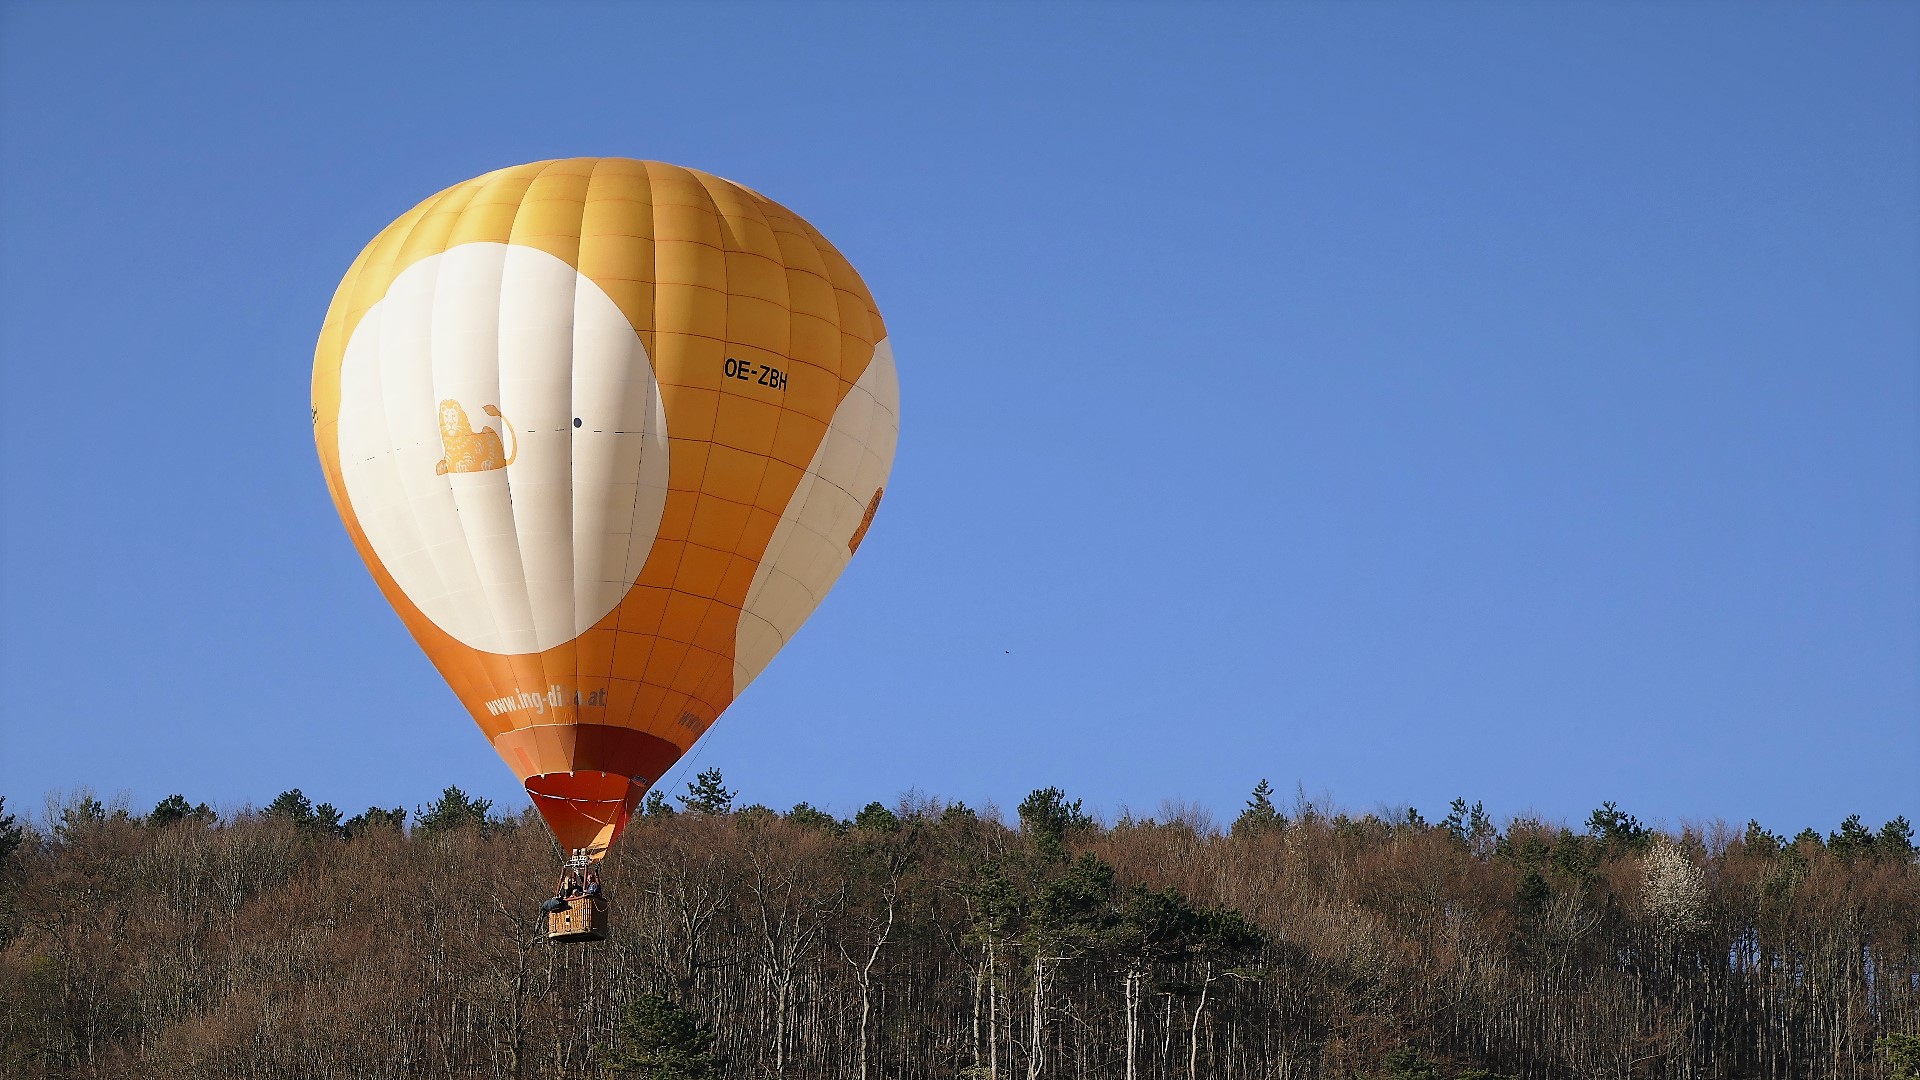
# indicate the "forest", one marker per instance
pixel 926 939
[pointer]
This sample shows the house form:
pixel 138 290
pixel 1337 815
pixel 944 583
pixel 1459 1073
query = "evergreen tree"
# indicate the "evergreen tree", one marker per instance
pixel 707 794
pixel 322 820
pixel 1071 909
pixel 995 903
pixel 454 810
pixel 1895 841
pixel 659 1040
pixel 656 806
pixel 12 835
pixel 326 820
pixel 291 806
pixel 1409 1064
pixel 1615 828
pixel 1760 840
pixel 81 812
pixel 175 808
pixel 374 818
pixel 814 818
pixel 1160 926
pixel 1853 839
pixel 1902 1052
pixel 1260 812
pixel 1227 935
pixel 1470 826
pixel 1048 817
pixel 755 815
pixel 12 838
pixel 876 818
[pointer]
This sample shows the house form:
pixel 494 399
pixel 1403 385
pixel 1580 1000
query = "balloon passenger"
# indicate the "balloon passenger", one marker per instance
pixel 568 888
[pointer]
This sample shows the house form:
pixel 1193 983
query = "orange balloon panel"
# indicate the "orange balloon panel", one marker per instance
pixel 605 431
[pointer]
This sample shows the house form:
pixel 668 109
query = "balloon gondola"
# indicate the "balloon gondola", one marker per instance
pixel 579 911
pixel 604 432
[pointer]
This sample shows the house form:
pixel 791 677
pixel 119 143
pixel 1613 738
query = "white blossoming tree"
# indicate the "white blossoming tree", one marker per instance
pixel 1676 890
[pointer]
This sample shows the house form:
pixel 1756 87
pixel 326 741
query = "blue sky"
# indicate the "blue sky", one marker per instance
pixel 1393 401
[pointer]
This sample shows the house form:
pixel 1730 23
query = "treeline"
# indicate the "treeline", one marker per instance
pixel 927 940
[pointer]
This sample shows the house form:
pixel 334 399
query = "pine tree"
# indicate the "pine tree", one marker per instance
pixel 1048 817
pixel 292 806
pixel 1854 838
pixel 876 818
pixel 1760 840
pixel 815 818
pixel 12 835
pixel 1409 1064
pixel 1902 1052
pixel 454 810
pixel 82 810
pixel 326 820
pixel 1615 828
pixel 659 1040
pixel 175 808
pixel 1470 825
pixel 1259 814
pixel 707 794
pixel 374 818
pixel 1895 841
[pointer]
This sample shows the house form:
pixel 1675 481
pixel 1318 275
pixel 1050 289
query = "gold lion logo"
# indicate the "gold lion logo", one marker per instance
pixel 469 450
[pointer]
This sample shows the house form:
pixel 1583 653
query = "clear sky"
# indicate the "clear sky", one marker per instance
pixel 1399 401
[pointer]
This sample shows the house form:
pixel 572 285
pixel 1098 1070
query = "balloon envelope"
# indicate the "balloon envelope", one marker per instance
pixel 605 432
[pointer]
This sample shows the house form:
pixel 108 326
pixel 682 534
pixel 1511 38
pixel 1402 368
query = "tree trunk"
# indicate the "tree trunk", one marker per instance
pixel 1133 1020
pixel 1037 1056
pixel 863 975
pixel 1193 1032
pixel 993 1016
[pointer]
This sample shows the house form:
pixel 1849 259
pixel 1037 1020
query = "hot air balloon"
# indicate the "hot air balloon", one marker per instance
pixel 605 432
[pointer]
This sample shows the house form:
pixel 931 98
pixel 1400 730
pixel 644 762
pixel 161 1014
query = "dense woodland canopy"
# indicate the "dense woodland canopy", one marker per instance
pixel 928 940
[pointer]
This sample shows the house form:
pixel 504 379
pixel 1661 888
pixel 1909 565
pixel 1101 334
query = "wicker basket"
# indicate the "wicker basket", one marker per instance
pixel 583 919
